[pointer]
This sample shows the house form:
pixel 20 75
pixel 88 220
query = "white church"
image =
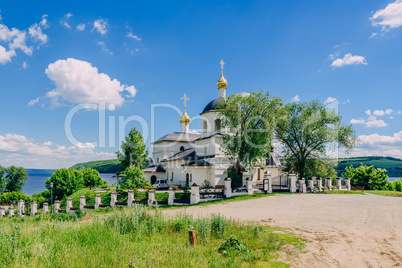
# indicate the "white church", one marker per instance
pixel 184 158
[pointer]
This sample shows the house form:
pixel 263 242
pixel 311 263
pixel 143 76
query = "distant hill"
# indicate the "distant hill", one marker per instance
pixel 391 164
pixel 103 166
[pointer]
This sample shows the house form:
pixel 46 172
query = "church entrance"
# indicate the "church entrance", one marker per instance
pixel 187 180
pixel 153 179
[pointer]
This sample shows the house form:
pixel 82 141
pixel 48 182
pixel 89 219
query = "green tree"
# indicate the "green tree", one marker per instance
pixel 133 150
pixel 367 176
pixel 92 179
pixel 3 182
pixel 314 168
pixel 65 182
pixel 307 130
pixel 16 177
pixel 250 120
pixel 132 177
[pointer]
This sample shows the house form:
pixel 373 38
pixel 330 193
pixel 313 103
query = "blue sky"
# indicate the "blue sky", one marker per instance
pixel 135 54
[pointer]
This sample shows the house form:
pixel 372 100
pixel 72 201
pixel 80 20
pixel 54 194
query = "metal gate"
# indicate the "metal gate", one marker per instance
pixel 280 184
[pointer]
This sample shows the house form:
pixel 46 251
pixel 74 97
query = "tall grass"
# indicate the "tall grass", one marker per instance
pixel 135 238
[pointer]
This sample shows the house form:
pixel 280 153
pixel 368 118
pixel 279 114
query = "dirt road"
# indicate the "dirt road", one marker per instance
pixel 344 230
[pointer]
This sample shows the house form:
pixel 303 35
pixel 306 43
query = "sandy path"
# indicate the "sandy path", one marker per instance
pixel 344 230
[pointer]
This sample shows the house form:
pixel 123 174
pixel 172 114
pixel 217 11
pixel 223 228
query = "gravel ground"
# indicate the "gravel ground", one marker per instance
pixel 343 230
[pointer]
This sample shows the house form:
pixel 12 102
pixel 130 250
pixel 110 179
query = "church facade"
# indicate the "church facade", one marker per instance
pixel 184 158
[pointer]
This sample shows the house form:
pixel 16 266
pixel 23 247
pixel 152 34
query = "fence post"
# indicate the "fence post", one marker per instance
pixel 328 183
pixel 339 183
pixel 347 183
pixel 311 183
pixel 34 208
pixel 113 199
pixel 151 198
pixel 228 188
pixel 69 205
pixel 20 208
pixel 56 206
pixel 82 202
pixel 195 194
pixel 171 198
pixel 292 178
pixel 319 184
pixel 2 211
pixel 97 201
pixel 301 181
pixel 249 186
pixel 11 211
pixel 130 198
pixel 45 207
pixel 192 235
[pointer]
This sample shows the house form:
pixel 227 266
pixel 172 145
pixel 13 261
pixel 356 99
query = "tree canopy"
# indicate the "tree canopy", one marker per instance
pixel 133 150
pixel 307 130
pixel 15 178
pixel 65 182
pixel 367 176
pixel 133 177
pixel 92 179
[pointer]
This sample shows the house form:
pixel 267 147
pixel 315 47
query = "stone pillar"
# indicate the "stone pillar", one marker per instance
pixel 301 182
pixel 328 183
pixel 292 178
pixel 249 186
pixel 311 183
pixel 171 197
pixel 195 194
pixel 339 183
pixel 228 188
pixel 2 212
pixel 69 205
pixel 56 206
pixel 82 202
pixel 347 183
pixel 97 201
pixel 319 184
pixel 34 208
pixel 113 199
pixel 11 211
pixel 304 188
pixel 269 179
pixel 20 207
pixel 45 207
pixel 151 198
pixel 130 198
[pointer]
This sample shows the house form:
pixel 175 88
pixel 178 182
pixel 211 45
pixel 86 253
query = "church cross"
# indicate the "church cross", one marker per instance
pixel 185 99
pixel 222 63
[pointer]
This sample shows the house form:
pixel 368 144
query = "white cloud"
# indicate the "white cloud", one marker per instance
pixel 43 22
pixel 357 121
pixel 68 15
pixel 330 100
pixel 81 27
pixel 389 111
pixel 32 102
pixel 25 65
pixel 36 32
pixel 100 26
pixel 295 98
pixel 79 82
pixel 368 112
pixel 131 35
pixel 373 35
pixel 389 17
pixel 65 24
pixel 348 59
pixel 379 112
pixel 376 139
pixel 372 121
pixel 29 152
pixel 102 44
pixel 5 56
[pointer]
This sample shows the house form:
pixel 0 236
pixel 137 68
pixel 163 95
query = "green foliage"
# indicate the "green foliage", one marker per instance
pixel 65 182
pixel 231 245
pixel 236 177
pixel 41 197
pixel 132 177
pixel 9 197
pixel 206 184
pixel 92 179
pixel 3 181
pixel 133 150
pixel 250 120
pixel 9 243
pixel 391 164
pixel 396 185
pixel 102 166
pixel 15 178
pixel 367 176
pixel 314 168
pixel 306 129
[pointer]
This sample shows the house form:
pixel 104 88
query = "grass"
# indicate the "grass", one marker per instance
pixel 385 193
pixel 139 237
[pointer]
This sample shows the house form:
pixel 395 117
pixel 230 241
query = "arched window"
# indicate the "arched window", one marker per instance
pixel 217 125
pixel 157 160
pixel 191 177
pixel 181 148
pixel 187 180
pixel 205 126
pixel 172 177
pixel 153 179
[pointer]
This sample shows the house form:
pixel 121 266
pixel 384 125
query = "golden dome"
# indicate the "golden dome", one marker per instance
pixel 222 83
pixel 185 119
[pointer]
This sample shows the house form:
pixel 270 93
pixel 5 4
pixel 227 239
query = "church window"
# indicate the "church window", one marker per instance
pixel 217 125
pixel 181 148
pixel 191 177
pixel 205 126
pixel 172 177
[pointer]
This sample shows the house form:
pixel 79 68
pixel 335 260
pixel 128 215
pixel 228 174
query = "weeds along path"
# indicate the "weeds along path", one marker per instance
pixel 344 230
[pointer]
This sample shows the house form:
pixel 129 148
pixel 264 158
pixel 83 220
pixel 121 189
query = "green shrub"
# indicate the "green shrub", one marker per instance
pixel 10 197
pixel 232 244
pixel 218 225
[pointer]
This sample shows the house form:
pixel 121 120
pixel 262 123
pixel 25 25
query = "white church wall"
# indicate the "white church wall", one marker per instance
pixel 165 149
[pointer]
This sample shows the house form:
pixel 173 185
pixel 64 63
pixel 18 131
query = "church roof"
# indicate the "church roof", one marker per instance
pixel 187 154
pixel 214 105
pixel 273 160
pixel 198 163
pixel 179 136
pixel 213 135
pixel 158 168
